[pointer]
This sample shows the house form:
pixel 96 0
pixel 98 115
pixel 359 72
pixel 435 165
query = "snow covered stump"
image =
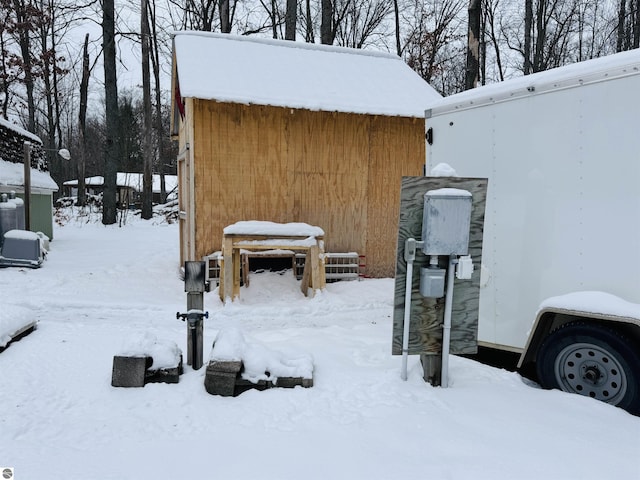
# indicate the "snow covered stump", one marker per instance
pixel 236 366
pixel 147 360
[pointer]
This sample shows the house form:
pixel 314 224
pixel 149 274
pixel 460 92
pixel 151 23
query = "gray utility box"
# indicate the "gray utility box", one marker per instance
pixel 21 248
pixel 432 282
pixel 446 222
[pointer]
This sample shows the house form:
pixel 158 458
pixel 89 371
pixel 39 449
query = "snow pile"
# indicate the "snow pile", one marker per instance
pixel 12 175
pixel 259 361
pixel 13 319
pixel 443 170
pixel 165 354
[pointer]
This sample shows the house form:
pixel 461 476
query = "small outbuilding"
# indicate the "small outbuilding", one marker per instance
pixel 129 188
pixel 12 140
pixel 284 131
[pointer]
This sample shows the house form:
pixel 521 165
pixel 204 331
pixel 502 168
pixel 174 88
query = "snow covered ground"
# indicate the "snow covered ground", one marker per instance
pixel 101 287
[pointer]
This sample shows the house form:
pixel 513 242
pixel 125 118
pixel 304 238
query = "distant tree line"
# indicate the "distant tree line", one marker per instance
pixel 48 79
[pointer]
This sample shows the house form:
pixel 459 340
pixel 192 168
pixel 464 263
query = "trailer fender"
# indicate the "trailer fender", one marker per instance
pixel 606 333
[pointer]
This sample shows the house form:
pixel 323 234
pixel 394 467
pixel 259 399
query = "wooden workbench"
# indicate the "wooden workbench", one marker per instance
pixel 264 236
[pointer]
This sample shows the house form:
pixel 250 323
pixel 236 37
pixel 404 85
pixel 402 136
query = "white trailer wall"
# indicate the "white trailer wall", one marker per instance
pixel 563 205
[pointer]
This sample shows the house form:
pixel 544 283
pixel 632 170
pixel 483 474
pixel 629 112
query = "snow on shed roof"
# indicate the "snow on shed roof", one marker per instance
pixel 249 70
pixel 574 75
pixel 21 131
pixel 12 176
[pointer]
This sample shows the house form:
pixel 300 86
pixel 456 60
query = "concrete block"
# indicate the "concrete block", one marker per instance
pixel 128 371
pixel 164 375
pixel 291 382
pixel 220 378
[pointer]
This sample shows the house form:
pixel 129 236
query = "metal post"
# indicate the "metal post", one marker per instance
pixel 195 301
pixel 446 328
pixel 27 185
pixel 194 285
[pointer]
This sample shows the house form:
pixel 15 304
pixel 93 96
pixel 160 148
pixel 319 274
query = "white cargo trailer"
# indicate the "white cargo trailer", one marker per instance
pixel 560 278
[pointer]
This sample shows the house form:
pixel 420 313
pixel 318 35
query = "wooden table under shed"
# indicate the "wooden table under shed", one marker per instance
pixel 248 236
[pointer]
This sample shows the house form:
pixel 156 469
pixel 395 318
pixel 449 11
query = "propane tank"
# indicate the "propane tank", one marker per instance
pixel 8 220
pixel 19 209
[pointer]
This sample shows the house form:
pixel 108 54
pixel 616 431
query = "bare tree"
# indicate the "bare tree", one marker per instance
pixel 26 15
pixel 434 44
pixel 359 21
pixel 327 32
pixel 82 122
pixel 111 113
pixel 225 16
pixel 473 44
pixel 309 36
pixel 396 12
pixel 628 28
pixel 155 62
pixel 147 149
pixel 492 30
pixel 9 60
pixel 291 20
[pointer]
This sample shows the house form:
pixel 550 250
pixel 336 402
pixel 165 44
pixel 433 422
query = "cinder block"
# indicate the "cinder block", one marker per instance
pixel 220 378
pixel 128 371
pixel 291 382
pixel 243 385
pixel 227 367
pixel 165 375
pixel 220 383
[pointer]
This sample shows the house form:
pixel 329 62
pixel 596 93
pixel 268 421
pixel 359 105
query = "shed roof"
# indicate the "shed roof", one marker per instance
pixel 12 176
pixel 249 70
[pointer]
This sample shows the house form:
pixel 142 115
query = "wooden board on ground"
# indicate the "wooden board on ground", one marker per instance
pixel 427 314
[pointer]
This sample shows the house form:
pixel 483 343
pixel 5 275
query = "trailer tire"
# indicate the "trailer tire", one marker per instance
pixel 591 360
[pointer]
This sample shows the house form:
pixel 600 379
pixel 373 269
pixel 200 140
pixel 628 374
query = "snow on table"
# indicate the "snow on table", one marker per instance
pixel 272 229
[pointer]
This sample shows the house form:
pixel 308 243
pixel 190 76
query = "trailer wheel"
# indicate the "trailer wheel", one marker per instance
pixel 591 360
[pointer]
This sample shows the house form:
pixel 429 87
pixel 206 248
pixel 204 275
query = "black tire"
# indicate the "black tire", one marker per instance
pixel 591 360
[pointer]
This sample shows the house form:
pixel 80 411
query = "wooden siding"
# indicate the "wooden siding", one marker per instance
pixel 341 172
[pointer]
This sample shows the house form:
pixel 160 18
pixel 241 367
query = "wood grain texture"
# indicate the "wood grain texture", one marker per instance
pixel 427 314
pixel 339 171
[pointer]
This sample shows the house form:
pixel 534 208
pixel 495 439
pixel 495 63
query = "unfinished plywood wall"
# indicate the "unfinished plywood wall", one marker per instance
pixel 339 171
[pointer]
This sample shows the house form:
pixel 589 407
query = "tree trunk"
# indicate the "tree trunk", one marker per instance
pixel 291 20
pixel 111 112
pixel 620 29
pixel 273 14
pixel 82 121
pixel 528 24
pixel 396 11
pixel 155 63
pixel 636 26
pixel 326 25
pixel 225 20
pixel 309 36
pixel 147 149
pixel 473 45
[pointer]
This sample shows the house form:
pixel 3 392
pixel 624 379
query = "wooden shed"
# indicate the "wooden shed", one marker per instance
pixel 292 132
